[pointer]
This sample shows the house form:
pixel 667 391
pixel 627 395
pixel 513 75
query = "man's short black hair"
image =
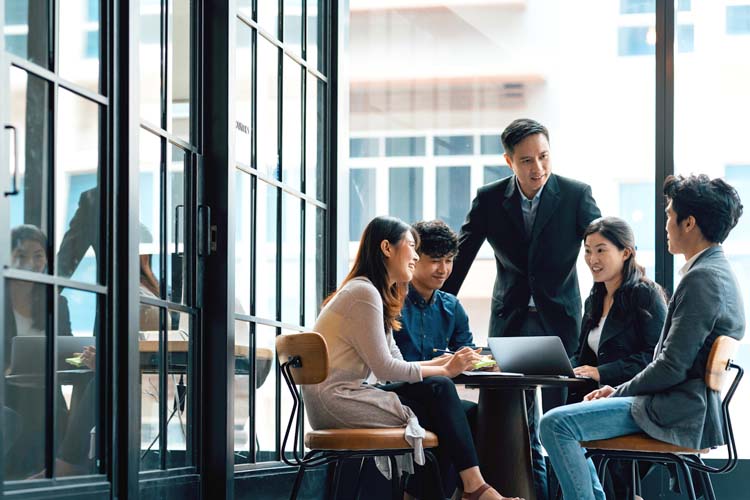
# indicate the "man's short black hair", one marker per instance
pixel 437 239
pixel 715 204
pixel 519 130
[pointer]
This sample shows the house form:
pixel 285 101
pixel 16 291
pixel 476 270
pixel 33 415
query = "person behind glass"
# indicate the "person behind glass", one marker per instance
pixel 26 308
pixel 534 221
pixel 624 313
pixel 357 322
pixel 668 399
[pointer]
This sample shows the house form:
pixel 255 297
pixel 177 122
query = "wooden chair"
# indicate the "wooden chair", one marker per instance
pixel 637 447
pixel 304 360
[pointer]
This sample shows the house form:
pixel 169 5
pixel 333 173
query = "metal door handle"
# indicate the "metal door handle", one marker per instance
pixel 14 180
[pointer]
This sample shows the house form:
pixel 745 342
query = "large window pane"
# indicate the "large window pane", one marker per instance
pixel 77 188
pixel 179 390
pixel 29 114
pixel 266 251
pixel 291 262
pixel 315 138
pixel 405 189
pixel 243 103
pixel 293 25
pixel 291 138
pixel 78 331
pixel 149 61
pixel 725 154
pixel 315 34
pixel 26 30
pixel 242 428
pixel 265 394
pixel 150 366
pixel 268 16
pixel 25 377
pixel 80 50
pixel 314 263
pixel 411 86
pixel 242 242
pixel 179 68
pixel 361 200
pixel 268 108
pixel 177 206
pixel 149 219
pixel 452 194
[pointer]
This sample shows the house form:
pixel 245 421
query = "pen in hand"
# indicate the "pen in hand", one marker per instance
pixel 443 351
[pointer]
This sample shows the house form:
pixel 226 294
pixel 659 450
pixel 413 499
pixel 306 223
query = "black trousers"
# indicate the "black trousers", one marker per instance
pixel 436 404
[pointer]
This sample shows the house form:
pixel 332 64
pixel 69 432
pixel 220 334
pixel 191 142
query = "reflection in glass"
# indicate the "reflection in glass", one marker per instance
pixel 179 377
pixel 242 242
pixel 315 138
pixel 293 25
pixel 76 187
pixel 361 200
pixel 265 394
pixel 78 367
pixel 314 259
pixel 148 213
pixel 291 262
pixel 176 225
pixel 80 50
pixel 179 68
pixel 26 307
pixel 148 347
pixel 149 61
pixel 29 105
pixel 242 427
pixel 243 103
pixel 26 30
pixel 268 16
pixel 291 138
pixel 266 251
pixel 268 112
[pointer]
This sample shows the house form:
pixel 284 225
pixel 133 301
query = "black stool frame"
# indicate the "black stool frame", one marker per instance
pixel 684 463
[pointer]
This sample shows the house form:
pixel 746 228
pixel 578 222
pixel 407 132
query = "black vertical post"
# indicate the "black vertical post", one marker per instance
pixel 217 436
pixel 124 122
pixel 330 27
pixel 664 147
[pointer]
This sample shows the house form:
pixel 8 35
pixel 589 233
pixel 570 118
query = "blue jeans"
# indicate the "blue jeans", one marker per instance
pixel 561 430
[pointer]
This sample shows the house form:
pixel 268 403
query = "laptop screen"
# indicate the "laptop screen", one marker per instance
pixel 531 355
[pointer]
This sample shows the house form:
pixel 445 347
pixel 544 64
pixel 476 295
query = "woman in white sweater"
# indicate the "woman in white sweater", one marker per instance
pixel 357 323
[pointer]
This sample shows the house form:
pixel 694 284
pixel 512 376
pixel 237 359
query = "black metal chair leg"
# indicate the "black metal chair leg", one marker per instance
pixel 297 482
pixel 435 469
pixel 602 470
pixel 634 477
pixel 337 467
pixel 707 487
pixel 688 479
pixel 396 493
pixel 358 484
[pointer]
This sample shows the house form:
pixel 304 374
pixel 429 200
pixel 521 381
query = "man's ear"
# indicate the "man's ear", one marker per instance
pixel 689 223
pixel 385 247
pixel 508 160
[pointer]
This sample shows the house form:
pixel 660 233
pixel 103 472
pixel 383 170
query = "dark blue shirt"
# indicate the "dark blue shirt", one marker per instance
pixel 440 323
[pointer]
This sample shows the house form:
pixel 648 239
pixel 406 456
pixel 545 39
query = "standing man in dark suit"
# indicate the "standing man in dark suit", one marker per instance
pixel 534 221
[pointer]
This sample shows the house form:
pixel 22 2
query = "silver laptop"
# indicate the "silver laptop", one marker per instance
pixel 531 355
pixel 28 353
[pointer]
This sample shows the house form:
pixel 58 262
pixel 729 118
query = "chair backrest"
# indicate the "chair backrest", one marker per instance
pixel 312 351
pixel 717 366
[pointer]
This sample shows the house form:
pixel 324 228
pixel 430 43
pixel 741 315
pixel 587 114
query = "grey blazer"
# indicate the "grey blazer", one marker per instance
pixel 672 402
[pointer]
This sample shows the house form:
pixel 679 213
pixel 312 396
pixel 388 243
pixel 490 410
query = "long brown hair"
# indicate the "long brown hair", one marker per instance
pixel 619 233
pixel 370 263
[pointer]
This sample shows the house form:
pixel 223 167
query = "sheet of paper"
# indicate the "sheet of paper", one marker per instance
pixel 494 374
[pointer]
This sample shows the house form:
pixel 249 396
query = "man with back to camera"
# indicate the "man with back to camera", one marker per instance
pixel 534 221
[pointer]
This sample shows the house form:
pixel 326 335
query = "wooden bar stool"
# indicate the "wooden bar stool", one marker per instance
pixel 637 447
pixel 304 360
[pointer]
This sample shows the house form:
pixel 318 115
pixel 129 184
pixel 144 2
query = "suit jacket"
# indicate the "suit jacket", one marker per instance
pixel 542 264
pixel 84 232
pixel 672 402
pixel 628 337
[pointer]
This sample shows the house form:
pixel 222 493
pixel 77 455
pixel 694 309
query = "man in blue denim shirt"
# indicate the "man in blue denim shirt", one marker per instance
pixel 432 319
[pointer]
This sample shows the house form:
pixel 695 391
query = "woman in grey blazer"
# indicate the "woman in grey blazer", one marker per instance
pixel 668 400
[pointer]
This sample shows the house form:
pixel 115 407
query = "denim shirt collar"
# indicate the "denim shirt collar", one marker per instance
pixel 416 298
